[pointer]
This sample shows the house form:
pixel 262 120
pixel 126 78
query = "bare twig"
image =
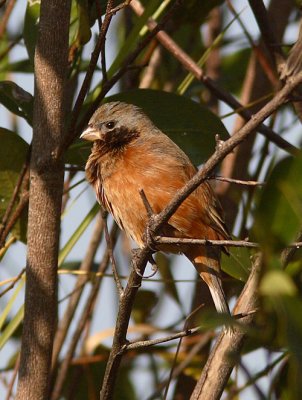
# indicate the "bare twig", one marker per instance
pixel 13 199
pixel 186 325
pixel 13 379
pixel 183 364
pixel 288 253
pixel 148 343
pixel 14 218
pixel 75 297
pixel 146 203
pixel 112 259
pixel 265 28
pixel 10 46
pixel 8 10
pixel 124 312
pixel 206 242
pixel 15 280
pixel 88 77
pixel 103 32
pixel 120 7
pixel 237 181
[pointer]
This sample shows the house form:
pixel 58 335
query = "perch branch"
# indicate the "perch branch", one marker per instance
pixel 158 220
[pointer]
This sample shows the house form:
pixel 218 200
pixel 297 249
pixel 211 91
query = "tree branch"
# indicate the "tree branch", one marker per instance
pixel 157 221
pixel 46 177
pixel 224 355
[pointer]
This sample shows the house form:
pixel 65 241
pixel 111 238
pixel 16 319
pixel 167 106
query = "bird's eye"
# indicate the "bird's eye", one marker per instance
pixel 110 125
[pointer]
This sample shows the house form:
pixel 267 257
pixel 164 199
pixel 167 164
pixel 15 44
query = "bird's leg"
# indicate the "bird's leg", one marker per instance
pixel 149 234
pixel 151 260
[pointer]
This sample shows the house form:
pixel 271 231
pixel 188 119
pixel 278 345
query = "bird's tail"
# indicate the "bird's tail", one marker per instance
pixel 206 260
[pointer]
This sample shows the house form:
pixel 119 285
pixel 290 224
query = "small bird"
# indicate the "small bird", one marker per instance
pixel 131 154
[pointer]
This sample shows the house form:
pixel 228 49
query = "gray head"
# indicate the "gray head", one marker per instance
pixel 117 122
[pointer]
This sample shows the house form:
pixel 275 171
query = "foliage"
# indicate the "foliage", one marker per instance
pixel 269 215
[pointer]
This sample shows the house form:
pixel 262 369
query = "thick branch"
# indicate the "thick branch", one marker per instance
pixel 224 355
pixel 46 177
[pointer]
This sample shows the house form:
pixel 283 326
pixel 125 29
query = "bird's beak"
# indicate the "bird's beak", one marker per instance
pixel 90 134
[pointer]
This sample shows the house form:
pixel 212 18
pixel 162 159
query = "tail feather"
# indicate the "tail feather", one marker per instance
pixel 207 263
pixel 218 296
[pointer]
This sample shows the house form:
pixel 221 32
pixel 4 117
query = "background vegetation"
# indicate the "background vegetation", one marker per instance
pixel 194 67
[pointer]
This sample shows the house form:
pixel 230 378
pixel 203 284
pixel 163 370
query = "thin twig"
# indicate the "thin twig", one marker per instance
pixel 75 296
pixel 120 7
pixel 288 253
pixel 103 32
pixel 15 280
pixel 13 199
pixel 237 181
pixel 147 343
pixel 206 242
pixel 14 218
pixel 265 27
pixel 6 51
pixel 87 80
pixel 8 10
pixel 13 379
pixel 186 324
pixel 146 203
pixel 183 364
pixel 112 259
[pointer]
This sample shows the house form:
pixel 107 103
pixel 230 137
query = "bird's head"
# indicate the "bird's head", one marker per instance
pixel 115 124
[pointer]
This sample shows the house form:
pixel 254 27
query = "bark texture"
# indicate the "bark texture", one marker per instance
pixel 46 184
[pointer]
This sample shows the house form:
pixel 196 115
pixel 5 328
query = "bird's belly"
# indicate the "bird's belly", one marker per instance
pixel 123 200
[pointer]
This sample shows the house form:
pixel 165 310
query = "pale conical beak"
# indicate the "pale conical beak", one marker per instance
pixel 90 134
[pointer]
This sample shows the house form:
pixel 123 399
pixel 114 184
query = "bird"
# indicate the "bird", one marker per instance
pixel 130 154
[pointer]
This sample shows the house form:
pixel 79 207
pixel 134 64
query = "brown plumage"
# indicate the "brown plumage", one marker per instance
pixel 129 154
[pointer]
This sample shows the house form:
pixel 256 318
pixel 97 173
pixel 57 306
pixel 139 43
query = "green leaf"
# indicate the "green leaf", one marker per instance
pixel 4 59
pixel 278 216
pixel 78 153
pixel 13 151
pixel 17 100
pixel 10 303
pixel 145 301
pixel 22 66
pixel 164 266
pixel 189 124
pixel 131 39
pixel 234 67
pixel 238 263
pixel 84 32
pixel 30 30
pixel 11 327
pixel 277 283
pixel 77 234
